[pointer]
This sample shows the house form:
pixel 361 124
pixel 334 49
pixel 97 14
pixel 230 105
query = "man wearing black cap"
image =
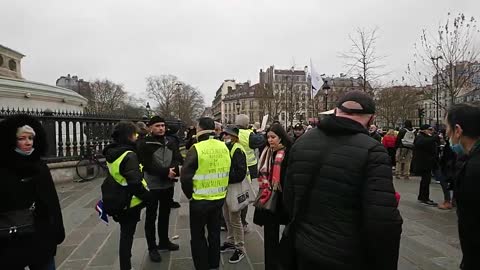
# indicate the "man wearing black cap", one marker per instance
pixel 340 194
pixel 424 161
pixel 160 158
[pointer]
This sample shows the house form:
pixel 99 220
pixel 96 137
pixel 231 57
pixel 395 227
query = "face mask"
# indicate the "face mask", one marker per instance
pixel 23 153
pixel 457 148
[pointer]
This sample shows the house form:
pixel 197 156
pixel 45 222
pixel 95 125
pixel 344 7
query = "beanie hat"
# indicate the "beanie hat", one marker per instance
pixel 155 119
pixel 25 129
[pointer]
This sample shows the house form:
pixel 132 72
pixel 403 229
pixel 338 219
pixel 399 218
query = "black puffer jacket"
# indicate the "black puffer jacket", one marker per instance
pixel 424 154
pixel 24 179
pixel 351 220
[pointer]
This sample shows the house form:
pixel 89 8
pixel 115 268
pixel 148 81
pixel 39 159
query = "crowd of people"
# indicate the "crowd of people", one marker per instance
pixel 331 186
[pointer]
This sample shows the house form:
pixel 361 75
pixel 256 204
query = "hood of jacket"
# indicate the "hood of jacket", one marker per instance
pixel 115 150
pixel 8 138
pixel 334 125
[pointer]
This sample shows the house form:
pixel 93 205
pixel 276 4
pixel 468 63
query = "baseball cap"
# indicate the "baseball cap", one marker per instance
pixel 425 127
pixel 367 105
pixel 155 119
pixel 298 126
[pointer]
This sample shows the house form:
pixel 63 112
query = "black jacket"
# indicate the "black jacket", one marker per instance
pixel 467 186
pixel 238 167
pixel 376 136
pixel 129 168
pixel 350 219
pixel 158 155
pixel 25 179
pixel 424 153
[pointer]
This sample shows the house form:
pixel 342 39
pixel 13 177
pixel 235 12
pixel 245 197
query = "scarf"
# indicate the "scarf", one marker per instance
pixel 269 174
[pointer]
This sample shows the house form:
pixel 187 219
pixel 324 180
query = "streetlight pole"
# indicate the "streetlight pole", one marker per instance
pixel 148 110
pixel 237 105
pixel 435 59
pixel 325 88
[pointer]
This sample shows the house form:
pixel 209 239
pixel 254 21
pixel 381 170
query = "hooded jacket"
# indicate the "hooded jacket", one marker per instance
pixel 27 178
pixel 129 168
pixel 350 219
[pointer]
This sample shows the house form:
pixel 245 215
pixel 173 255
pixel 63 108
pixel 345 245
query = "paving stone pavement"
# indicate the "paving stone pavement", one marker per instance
pixel 429 239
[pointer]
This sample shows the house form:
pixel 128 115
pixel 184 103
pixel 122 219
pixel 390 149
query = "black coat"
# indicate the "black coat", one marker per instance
pixel 467 187
pixel 238 167
pixel 350 219
pixel 424 153
pixel 18 194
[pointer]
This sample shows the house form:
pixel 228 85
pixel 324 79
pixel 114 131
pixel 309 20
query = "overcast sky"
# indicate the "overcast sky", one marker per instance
pixel 204 42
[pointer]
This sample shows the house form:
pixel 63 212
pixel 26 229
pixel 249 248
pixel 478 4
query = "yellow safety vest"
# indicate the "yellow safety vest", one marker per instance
pixel 114 170
pixel 234 148
pixel 244 140
pixel 211 178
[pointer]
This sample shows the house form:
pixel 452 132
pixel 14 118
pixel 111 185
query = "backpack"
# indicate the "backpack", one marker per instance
pixel 408 139
pixel 116 197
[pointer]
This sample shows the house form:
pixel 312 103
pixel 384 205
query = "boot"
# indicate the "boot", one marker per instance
pixel 446 205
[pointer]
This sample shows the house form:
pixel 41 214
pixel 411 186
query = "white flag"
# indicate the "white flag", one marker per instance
pixel 316 80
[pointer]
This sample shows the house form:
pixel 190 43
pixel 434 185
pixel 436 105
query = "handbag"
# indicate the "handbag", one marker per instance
pixel 17 222
pixel 239 195
pixel 271 204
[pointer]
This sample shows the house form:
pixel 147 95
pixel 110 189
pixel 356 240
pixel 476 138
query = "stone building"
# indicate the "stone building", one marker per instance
pixel 252 100
pixel 218 105
pixel 74 83
pixel 291 93
pixel 16 92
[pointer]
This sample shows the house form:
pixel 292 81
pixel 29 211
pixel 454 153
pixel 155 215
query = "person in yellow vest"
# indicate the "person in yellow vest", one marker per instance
pixel 204 178
pixel 250 141
pixel 238 173
pixel 124 191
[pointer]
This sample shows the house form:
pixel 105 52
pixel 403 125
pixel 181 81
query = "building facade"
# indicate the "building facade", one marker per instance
pixel 74 83
pixel 10 63
pixel 337 87
pixel 291 92
pixel 253 100
pixel 218 105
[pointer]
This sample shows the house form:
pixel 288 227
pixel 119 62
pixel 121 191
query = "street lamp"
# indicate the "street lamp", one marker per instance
pixel 237 105
pixel 148 110
pixel 325 88
pixel 435 59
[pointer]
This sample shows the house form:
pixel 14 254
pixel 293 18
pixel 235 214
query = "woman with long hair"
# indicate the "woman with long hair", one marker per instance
pixel 31 224
pixel 272 170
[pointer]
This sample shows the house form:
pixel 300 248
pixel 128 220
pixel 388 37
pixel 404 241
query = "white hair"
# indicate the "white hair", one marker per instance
pixel 242 120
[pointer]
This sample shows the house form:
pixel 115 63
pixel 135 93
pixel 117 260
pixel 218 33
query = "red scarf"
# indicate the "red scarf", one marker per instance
pixel 270 174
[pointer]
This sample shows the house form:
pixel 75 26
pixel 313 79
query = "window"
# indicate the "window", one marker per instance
pixel 1 60
pixel 277 87
pixel 251 106
pixel 251 116
pixel 12 65
pixel 303 87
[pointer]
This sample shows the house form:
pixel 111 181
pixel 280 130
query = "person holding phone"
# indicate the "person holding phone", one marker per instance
pixel 160 158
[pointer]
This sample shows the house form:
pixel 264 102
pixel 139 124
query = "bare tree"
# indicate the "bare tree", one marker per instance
pixel 189 103
pixel 162 89
pixel 452 54
pixel 106 97
pixel 362 58
pixel 395 104
pixel 175 98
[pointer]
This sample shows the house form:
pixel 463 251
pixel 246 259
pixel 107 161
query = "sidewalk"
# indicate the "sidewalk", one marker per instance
pixel 429 239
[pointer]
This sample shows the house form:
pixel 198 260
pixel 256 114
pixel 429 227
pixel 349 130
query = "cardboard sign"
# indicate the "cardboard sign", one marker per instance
pixel 264 122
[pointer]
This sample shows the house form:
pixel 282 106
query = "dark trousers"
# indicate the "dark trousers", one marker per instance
pixel 128 225
pixel 437 173
pixel 162 199
pixel 206 255
pixel 424 192
pixel 392 154
pixel 271 233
